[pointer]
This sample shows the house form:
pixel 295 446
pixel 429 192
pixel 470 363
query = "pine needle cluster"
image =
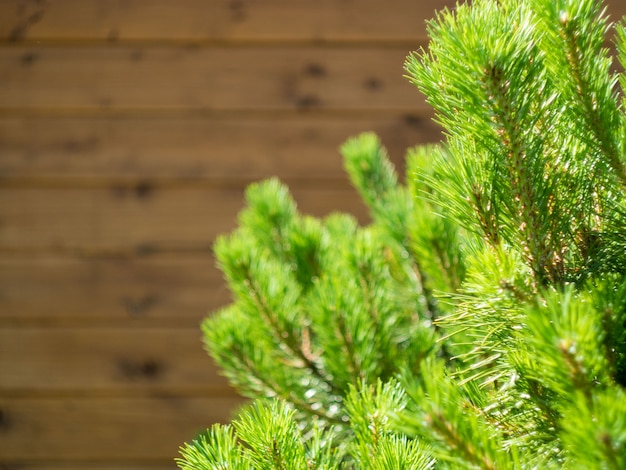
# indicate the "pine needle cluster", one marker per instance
pixel 479 321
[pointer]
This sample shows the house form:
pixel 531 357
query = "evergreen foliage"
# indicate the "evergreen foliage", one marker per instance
pixel 479 321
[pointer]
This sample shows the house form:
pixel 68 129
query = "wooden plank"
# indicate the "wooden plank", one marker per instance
pixel 141 217
pixel 49 429
pixel 107 361
pixel 178 290
pixel 236 20
pixel 211 147
pixel 195 20
pixel 163 464
pixel 209 78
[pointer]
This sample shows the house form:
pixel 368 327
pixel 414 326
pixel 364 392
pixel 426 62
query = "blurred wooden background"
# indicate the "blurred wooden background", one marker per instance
pixel 128 131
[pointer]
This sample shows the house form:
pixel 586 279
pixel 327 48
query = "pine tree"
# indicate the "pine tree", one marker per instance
pixel 479 321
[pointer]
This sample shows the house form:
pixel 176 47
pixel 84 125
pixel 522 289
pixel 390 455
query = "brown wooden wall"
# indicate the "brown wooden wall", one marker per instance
pixel 128 130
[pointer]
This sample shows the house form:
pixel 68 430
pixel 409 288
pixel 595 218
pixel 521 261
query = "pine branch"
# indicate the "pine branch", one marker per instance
pixel 574 45
pixel 492 285
pixel 374 177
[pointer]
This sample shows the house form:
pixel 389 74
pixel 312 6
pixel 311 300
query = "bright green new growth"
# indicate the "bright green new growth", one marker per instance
pixel 479 321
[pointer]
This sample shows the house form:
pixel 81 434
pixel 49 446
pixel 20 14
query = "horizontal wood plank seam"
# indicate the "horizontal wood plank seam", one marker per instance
pixel 355 43
pixel 102 322
pixel 208 113
pixel 243 113
pixel 122 251
pixel 150 391
pixel 163 182
pixel 91 464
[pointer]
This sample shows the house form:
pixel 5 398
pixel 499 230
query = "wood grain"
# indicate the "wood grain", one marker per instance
pixel 109 361
pixel 206 78
pixel 128 130
pixel 105 428
pixel 160 464
pixel 322 20
pixel 290 146
pixel 138 218
pixel 169 290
